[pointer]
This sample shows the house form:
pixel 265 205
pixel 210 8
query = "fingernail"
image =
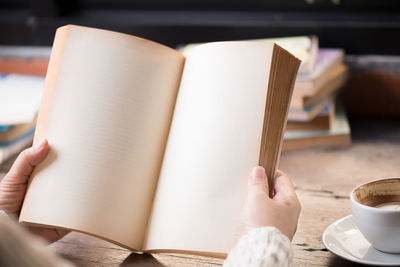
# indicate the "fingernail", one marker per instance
pixel 40 145
pixel 259 173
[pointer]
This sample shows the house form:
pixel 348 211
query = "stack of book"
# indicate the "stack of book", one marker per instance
pixel 22 71
pixel 14 138
pixel 315 119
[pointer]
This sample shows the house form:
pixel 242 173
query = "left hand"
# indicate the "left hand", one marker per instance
pixel 14 184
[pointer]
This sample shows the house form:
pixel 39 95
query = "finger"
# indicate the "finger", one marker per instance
pixel 258 180
pixel 26 161
pixel 284 187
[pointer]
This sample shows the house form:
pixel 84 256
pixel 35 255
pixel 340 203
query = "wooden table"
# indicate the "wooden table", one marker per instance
pixel 323 179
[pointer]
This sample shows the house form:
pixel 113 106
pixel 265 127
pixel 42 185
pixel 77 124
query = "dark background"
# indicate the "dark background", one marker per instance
pixel 358 26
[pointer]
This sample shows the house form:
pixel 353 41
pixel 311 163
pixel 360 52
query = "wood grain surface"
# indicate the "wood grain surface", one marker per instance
pixel 323 180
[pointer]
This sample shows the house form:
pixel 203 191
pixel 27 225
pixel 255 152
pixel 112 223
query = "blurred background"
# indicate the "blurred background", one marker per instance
pixel 362 68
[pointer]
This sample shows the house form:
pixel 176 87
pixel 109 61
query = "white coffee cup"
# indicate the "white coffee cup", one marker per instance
pixel 379 225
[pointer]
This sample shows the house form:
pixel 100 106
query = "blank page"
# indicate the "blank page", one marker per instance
pixel 214 142
pixel 106 113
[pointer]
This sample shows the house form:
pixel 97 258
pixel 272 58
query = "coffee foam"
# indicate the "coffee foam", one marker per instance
pixel 389 206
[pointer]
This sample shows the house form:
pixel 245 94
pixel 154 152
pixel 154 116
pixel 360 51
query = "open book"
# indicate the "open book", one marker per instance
pixel 151 150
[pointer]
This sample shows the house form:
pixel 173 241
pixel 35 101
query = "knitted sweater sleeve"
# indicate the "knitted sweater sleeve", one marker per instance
pixel 265 246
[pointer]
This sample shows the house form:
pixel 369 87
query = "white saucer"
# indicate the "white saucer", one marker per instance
pixel 345 240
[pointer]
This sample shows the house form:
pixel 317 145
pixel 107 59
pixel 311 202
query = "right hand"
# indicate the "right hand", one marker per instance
pixel 259 210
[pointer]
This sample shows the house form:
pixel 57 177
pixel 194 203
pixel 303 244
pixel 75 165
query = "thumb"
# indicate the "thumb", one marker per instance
pixel 25 162
pixel 258 181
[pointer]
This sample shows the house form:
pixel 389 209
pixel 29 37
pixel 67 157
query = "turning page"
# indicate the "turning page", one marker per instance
pixel 214 141
pixel 106 112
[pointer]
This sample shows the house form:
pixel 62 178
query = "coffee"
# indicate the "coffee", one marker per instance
pixel 379 200
pixel 389 206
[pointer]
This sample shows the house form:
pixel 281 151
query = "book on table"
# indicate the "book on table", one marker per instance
pixel 313 120
pixel 15 132
pixel 323 121
pixel 335 82
pixel 9 149
pixel 20 97
pixel 151 150
pixel 309 113
pixel 330 75
pixel 338 134
pixel 328 60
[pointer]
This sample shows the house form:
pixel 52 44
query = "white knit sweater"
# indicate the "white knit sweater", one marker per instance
pixel 261 247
